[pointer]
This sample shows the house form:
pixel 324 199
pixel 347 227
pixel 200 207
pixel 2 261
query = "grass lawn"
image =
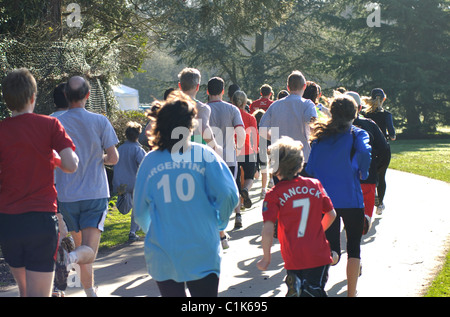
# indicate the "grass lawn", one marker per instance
pixel 430 158
pixel 117 227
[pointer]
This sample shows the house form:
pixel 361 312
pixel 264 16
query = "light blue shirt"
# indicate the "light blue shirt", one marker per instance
pixel 131 155
pixel 91 133
pixel 182 202
pixel 292 117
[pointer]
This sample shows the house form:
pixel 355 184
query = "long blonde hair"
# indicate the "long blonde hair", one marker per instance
pixel 372 105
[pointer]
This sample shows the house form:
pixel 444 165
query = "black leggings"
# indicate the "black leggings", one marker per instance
pixel 381 187
pixel 205 287
pixel 353 219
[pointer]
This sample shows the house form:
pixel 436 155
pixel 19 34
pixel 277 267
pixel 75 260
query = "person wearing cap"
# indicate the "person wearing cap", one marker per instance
pixel 380 150
pixel 374 110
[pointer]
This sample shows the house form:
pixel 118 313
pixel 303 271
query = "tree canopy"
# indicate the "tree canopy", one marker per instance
pixel 401 46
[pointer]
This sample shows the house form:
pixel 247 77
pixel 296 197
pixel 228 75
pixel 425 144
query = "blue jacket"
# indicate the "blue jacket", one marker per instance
pixel 331 161
pixel 182 202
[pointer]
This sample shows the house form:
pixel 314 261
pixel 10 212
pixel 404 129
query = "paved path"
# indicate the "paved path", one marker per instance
pixel 400 254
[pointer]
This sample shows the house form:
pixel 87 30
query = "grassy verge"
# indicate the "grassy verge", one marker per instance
pixel 430 158
pixel 117 227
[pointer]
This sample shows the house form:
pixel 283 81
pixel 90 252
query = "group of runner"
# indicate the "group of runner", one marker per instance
pixel 325 162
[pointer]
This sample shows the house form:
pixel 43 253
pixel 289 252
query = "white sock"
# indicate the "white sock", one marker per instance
pixel 90 292
pixel 73 258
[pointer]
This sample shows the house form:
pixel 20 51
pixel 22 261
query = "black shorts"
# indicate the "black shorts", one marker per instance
pixel 30 240
pixel 248 164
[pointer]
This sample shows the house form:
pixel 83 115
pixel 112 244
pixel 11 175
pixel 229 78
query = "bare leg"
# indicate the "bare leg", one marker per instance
pixel 353 266
pixel 87 243
pixel 33 284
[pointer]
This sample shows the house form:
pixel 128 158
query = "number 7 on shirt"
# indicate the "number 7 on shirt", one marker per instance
pixel 303 203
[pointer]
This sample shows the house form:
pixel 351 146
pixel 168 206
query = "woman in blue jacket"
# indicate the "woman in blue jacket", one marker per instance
pixel 184 195
pixel 340 157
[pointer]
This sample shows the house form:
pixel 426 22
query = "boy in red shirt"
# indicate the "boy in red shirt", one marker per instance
pixel 264 102
pixel 28 224
pixel 303 211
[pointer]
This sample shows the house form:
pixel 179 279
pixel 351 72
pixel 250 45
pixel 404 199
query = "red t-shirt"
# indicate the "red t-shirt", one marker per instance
pixel 27 142
pixel 298 205
pixel 251 134
pixel 261 103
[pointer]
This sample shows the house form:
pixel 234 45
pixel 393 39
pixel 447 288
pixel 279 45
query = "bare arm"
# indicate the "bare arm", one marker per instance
pixel 328 219
pixel 69 160
pixel 267 241
pixel 240 137
pixel 111 157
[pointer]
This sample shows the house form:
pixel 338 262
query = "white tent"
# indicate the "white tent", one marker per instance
pixel 127 97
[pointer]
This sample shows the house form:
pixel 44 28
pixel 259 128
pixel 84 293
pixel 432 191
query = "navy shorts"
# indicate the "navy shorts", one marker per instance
pixel 30 240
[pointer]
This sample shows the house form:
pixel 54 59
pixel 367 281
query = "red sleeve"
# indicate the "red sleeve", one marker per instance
pixel 270 207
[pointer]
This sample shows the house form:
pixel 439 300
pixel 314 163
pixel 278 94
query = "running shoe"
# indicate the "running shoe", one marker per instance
pixel 293 283
pixel 263 194
pixel 246 197
pixel 380 209
pixel 238 221
pixel 335 257
pixel 132 237
pixel 62 262
pixel 224 241
pixel 367 224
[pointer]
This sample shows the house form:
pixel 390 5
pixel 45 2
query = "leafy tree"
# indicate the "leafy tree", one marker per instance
pixel 246 42
pixel 402 46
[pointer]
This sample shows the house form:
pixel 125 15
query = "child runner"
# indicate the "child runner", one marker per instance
pixel 340 157
pixel 184 195
pixel 303 211
pixel 28 223
pixel 131 155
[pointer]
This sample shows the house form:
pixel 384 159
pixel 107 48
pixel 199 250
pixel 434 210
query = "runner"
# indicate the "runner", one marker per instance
pixel 183 197
pixel 28 223
pixel 374 110
pixel 84 195
pixel 226 122
pixel 265 101
pixel 303 212
pixel 247 156
pixel 380 150
pixel 340 157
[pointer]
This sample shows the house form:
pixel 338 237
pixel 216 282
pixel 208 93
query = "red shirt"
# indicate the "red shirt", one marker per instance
pixel 298 205
pixel 27 142
pixel 251 134
pixel 262 103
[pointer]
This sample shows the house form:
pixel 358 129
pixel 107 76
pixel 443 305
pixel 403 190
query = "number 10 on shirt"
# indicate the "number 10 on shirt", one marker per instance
pixel 183 193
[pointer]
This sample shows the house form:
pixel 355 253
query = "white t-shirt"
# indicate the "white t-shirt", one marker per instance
pixel 91 133
pixel 291 116
pixel 223 120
